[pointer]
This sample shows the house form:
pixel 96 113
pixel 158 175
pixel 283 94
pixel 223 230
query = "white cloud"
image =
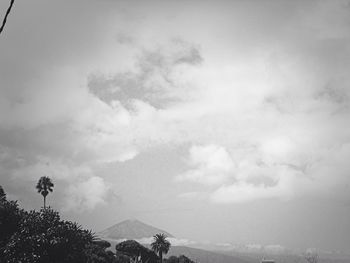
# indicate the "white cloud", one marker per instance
pixel 265 176
pixel 86 194
pixel 212 165
pixel 269 114
pixel 82 190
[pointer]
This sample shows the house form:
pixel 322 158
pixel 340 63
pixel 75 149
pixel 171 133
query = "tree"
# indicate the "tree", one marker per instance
pixel 44 186
pixel 2 193
pixel 10 217
pixel 41 237
pixel 96 252
pixel 180 259
pixel 44 237
pixel 172 259
pixel 311 257
pixel 134 250
pixel 160 245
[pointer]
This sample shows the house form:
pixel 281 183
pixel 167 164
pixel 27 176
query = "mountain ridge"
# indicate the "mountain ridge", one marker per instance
pixel 131 229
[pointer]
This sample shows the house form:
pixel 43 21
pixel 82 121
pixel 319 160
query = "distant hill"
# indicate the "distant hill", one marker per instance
pixel 200 255
pixel 205 256
pixel 143 233
pixel 131 229
pixel 287 257
pixel 137 230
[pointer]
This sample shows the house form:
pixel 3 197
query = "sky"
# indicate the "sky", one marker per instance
pixel 217 121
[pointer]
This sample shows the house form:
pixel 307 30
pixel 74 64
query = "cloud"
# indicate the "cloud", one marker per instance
pixel 212 165
pixel 275 172
pixel 266 115
pixel 156 78
pixel 82 189
pixel 86 194
pixel 244 192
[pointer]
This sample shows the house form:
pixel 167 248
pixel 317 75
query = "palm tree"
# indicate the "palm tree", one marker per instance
pixel 160 245
pixel 44 186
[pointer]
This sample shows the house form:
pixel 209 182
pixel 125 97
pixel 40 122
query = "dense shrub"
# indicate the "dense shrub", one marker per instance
pixel 10 217
pixel 133 249
pixel 180 259
pixel 96 252
pixel 42 237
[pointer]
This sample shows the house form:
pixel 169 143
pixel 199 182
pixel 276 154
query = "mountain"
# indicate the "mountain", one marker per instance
pixel 131 229
pixel 143 233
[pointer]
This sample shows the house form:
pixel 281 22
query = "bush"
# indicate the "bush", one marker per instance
pixel 10 217
pixel 180 259
pixel 42 237
pixel 133 249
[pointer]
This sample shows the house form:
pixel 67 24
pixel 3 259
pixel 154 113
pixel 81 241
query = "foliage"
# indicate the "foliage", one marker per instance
pixel 2 193
pixel 133 249
pixel 160 245
pixel 180 259
pixel 10 217
pixel 311 257
pixel 122 258
pixel 42 237
pixel 44 186
pixel 96 252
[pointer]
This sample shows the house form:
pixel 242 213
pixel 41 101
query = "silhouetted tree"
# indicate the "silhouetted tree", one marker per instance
pixel 44 186
pixel 10 217
pixel 134 250
pixel 96 252
pixel 311 257
pixel 180 259
pixel 2 193
pixel 42 237
pixel 172 259
pixel 160 245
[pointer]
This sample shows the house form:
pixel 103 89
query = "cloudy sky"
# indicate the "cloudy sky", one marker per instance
pixel 219 121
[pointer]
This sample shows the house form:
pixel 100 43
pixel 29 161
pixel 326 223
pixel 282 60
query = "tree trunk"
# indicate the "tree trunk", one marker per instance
pixel 44 202
pixel 161 256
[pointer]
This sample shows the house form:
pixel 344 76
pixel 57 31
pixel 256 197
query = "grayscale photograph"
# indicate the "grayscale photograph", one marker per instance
pixel 174 131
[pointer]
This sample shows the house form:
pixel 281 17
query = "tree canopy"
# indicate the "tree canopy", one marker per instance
pixel 44 187
pixel 134 249
pixel 160 245
pixel 42 236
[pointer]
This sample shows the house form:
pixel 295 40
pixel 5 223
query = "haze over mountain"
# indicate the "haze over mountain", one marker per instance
pixel 131 229
pixel 205 252
pixel 205 256
pixel 143 233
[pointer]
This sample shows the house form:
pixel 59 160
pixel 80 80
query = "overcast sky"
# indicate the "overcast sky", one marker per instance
pixel 220 121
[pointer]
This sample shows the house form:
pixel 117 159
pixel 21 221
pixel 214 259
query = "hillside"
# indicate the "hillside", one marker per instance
pixel 131 229
pixel 199 255
pixel 204 256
